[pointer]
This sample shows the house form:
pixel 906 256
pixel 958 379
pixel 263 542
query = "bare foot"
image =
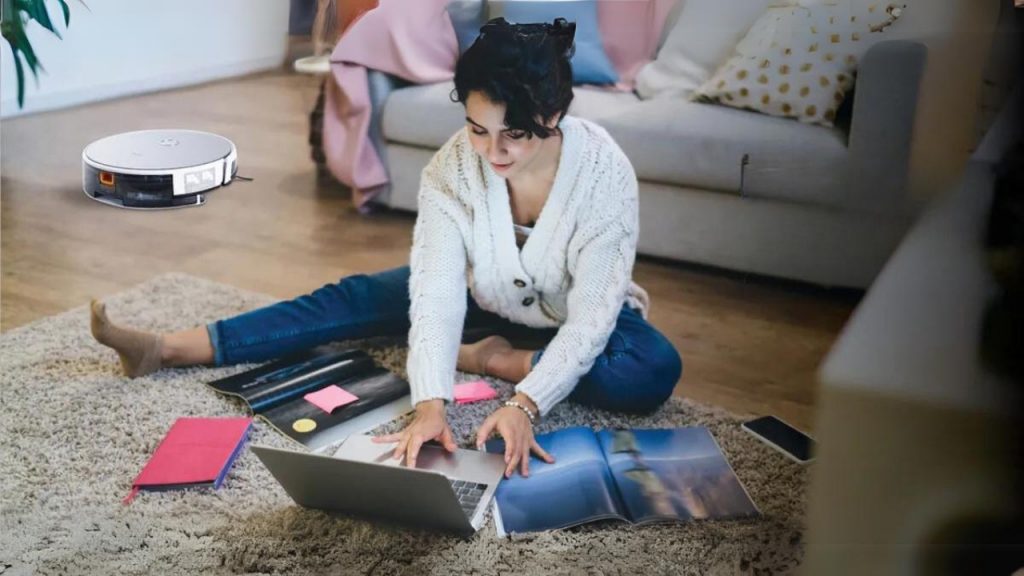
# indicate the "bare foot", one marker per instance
pixel 139 351
pixel 476 356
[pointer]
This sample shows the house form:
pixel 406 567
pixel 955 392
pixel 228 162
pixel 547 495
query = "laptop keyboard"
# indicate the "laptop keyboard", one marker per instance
pixel 468 494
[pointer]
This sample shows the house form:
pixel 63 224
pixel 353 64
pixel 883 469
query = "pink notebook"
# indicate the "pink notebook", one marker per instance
pixel 196 452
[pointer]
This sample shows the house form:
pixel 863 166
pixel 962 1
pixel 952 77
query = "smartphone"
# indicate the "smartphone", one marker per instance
pixel 783 437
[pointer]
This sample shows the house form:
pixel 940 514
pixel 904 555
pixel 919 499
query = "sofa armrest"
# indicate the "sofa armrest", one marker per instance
pixel 881 129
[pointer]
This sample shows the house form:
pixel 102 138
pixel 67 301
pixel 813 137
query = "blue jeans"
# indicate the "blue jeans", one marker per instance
pixel 636 372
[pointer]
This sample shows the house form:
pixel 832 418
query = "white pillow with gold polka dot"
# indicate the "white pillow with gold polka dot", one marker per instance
pixel 800 61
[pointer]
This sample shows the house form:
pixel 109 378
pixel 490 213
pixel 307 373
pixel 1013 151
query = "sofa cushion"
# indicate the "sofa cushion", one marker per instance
pixel 799 61
pixel 590 64
pixel 703 145
pixel 700 40
pixel 594 103
pixel 423 115
pixel 668 140
pixel 407 111
pixel 630 33
pixel 467 17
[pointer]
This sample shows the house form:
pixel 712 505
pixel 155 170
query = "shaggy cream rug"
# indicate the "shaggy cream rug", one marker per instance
pixel 74 433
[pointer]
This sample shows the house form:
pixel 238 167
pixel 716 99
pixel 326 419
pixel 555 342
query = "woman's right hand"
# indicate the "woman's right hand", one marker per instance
pixel 428 424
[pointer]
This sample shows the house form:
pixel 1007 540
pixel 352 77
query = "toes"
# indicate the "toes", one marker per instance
pixel 96 319
pixel 99 310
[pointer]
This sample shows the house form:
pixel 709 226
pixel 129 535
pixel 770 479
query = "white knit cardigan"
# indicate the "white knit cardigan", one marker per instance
pixel 573 272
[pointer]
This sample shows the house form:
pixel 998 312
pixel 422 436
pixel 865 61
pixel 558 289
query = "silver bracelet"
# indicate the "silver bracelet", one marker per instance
pixel 529 413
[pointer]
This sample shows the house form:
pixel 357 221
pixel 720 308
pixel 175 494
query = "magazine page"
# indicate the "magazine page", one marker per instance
pixel 276 392
pixel 676 474
pixel 292 377
pixel 576 489
pixel 310 425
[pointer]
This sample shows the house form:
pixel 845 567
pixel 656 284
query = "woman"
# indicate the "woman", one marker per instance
pixel 527 217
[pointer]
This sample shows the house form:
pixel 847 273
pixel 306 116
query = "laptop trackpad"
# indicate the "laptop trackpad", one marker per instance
pixel 462 464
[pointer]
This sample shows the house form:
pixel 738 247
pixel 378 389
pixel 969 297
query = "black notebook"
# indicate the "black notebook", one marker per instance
pixel 639 476
pixel 276 392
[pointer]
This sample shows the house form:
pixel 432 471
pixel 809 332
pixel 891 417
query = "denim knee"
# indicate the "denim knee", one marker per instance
pixel 669 370
pixel 634 376
pixel 657 370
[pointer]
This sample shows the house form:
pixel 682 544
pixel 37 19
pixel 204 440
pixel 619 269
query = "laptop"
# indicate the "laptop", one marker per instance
pixel 446 491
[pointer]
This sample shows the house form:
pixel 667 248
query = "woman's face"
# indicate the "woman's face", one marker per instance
pixel 510 152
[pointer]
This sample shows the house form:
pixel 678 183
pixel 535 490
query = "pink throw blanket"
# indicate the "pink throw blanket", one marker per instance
pixel 412 40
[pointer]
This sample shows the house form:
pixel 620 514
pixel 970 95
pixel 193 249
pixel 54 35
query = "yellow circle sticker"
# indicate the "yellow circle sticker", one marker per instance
pixel 304 425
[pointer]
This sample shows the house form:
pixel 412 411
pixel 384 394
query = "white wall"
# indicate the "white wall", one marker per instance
pixel 121 47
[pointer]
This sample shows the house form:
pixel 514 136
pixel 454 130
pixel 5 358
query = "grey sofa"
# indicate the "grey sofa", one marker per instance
pixel 719 186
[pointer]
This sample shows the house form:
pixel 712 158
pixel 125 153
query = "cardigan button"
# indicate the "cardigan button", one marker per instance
pixel 528 300
pixel 520 283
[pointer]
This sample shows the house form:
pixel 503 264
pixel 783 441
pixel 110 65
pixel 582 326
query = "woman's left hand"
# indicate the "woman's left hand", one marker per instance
pixel 514 426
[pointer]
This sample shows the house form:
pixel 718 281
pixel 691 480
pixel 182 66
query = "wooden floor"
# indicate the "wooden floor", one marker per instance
pixel 748 345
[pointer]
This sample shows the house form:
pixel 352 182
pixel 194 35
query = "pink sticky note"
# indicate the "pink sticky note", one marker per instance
pixel 474 392
pixel 331 397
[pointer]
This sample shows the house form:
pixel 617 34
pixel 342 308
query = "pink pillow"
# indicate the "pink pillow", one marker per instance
pixel 630 30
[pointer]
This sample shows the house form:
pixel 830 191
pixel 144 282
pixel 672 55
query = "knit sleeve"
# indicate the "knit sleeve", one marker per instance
pixel 601 264
pixel 437 291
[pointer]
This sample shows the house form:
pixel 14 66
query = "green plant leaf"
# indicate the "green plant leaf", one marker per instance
pixel 67 12
pixel 22 41
pixel 15 16
pixel 21 79
pixel 36 10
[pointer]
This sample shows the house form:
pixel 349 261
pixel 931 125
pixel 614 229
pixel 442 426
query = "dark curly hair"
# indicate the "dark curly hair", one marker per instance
pixel 524 66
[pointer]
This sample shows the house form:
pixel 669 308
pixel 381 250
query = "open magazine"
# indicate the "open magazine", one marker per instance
pixel 639 476
pixel 276 392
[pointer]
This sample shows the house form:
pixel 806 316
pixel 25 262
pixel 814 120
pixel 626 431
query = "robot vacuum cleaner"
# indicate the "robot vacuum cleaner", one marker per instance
pixel 152 169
